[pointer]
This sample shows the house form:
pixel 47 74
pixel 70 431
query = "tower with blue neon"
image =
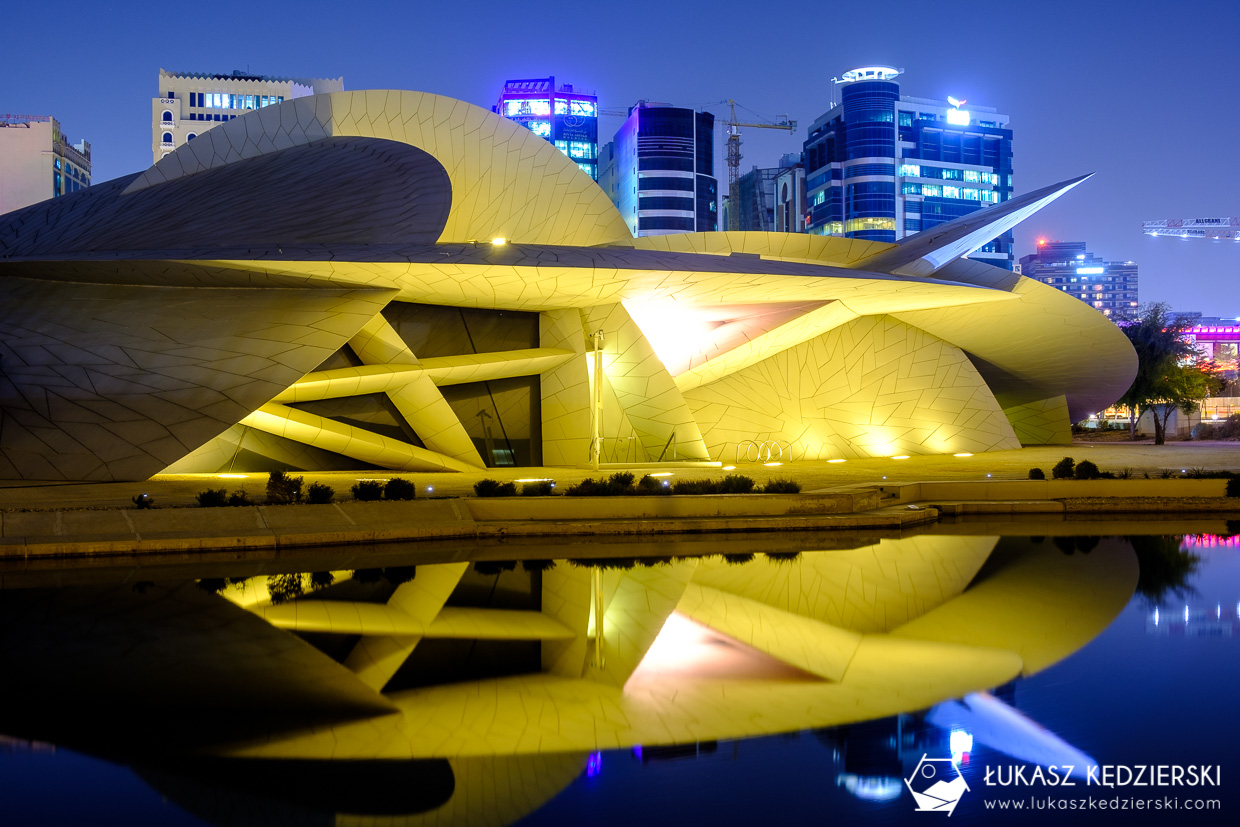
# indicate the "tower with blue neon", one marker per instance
pixel 559 114
pixel 882 166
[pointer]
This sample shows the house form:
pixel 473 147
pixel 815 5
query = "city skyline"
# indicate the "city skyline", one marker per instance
pixel 1088 89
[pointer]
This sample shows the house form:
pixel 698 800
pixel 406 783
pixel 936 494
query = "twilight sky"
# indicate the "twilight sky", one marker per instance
pixel 1130 89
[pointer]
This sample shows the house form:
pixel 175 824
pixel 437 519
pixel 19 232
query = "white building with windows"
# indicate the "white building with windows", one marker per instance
pixel 38 161
pixel 190 103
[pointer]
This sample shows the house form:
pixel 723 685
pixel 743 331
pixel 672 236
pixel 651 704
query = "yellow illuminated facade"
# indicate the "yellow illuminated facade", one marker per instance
pixel 409 282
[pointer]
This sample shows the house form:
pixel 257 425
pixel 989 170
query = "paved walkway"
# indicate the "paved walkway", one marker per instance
pixel 1141 458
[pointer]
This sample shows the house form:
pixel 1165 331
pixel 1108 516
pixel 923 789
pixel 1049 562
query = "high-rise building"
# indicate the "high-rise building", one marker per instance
pixel 1108 286
pixel 758 193
pixel 37 161
pixel 659 170
pixel 881 166
pixel 790 195
pixel 566 118
pixel 193 102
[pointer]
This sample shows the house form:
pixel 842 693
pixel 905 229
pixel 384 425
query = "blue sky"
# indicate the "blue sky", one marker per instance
pixel 1134 91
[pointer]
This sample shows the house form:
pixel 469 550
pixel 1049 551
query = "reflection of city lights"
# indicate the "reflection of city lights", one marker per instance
pixel 594 764
pixel 1156 614
pixel 1186 615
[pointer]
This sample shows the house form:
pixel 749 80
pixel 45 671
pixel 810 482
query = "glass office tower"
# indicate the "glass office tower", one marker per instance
pixel 882 166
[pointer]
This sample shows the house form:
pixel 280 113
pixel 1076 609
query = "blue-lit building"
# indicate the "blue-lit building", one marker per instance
pixel 566 118
pixel 660 170
pixel 881 166
pixel 1110 287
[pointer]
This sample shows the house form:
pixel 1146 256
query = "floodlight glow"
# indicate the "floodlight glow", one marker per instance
pixel 962 454
pixel 537 479
pixel 901 456
pixel 960 742
pixel 729 468
pixel 660 474
pixel 836 460
pixel 957 117
pixel 499 242
pixel 772 463
pixel 1088 271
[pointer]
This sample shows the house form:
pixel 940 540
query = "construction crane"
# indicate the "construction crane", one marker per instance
pixel 1216 229
pixel 734 153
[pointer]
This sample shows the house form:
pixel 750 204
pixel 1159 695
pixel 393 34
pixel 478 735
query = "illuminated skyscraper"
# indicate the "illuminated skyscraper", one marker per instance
pixel 1110 287
pixel 659 170
pixel 562 116
pixel 881 166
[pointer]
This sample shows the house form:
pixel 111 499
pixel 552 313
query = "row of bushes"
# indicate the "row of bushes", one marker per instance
pixel 625 484
pixel 495 488
pixel 1067 468
pixel 283 489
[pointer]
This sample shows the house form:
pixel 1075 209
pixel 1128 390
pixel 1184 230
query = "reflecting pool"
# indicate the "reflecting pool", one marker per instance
pixel 737 680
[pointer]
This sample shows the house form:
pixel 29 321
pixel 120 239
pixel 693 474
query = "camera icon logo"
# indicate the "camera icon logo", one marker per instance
pixel 936 785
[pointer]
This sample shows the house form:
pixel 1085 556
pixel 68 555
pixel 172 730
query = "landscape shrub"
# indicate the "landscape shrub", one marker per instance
pixel 322 579
pixel 736 484
pixel 1233 487
pixel 781 487
pixel 538 488
pixel 653 486
pixel 494 488
pixel 617 485
pixel 398 488
pixel 537 565
pixel 782 556
pixel 142 501
pixel 283 489
pixel 320 494
pixel 1037 474
pixel 702 486
pixel 395 575
pixel 212 498
pixel 239 498
pixel 737 559
pixel 1064 469
pixel 1123 474
pixel 492 568
pixel 368 490
pixel 1086 470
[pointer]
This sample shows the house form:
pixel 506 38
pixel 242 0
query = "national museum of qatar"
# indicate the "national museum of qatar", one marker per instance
pixel 404 281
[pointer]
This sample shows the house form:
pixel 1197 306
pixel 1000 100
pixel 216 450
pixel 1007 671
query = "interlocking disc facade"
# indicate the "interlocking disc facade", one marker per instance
pixel 406 281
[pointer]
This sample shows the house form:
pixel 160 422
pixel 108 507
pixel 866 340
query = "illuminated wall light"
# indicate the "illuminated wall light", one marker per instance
pixel 772 464
pixel 833 461
pixel 499 242
pixel 430 488
pixel 901 456
pixel 660 474
pixel 962 454
pixel 729 468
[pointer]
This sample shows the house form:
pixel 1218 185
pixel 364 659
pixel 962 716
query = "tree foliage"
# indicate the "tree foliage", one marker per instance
pixel 1169 376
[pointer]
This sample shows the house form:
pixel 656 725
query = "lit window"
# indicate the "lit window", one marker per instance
pixel 932 190
pixel 525 106
pixel 580 149
pixel 951 192
pixel 585 109
pixel 858 224
pixel 540 128
pixel 970 175
pixel 561 106
pixel 820 198
pixel 971 194
pixel 910 170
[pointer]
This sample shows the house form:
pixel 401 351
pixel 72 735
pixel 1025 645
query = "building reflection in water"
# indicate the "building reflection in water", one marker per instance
pixel 456 692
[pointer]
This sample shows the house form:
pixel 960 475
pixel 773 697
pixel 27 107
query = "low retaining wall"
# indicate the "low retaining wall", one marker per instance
pixel 689 506
pixel 909 492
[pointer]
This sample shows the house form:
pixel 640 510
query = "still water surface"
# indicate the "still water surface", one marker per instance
pixel 1110 650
